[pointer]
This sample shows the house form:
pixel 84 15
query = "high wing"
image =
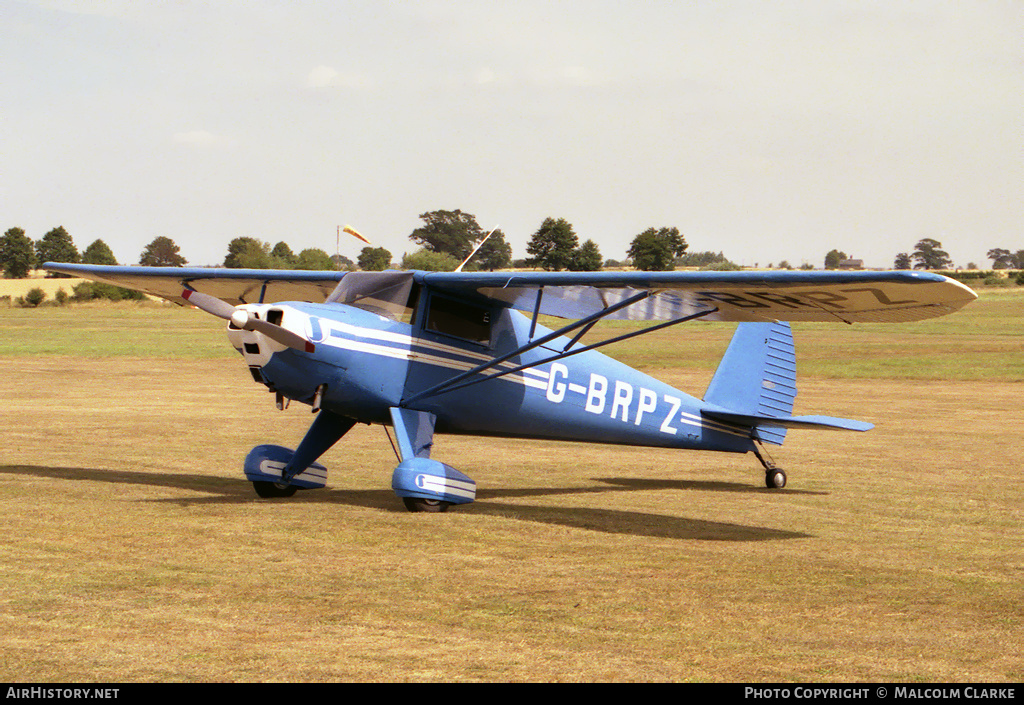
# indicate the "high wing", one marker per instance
pixel 234 286
pixel 850 297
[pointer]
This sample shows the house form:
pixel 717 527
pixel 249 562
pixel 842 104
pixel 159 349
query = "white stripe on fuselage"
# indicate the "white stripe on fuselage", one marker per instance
pixel 405 352
pixel 345 337
pixel 410 341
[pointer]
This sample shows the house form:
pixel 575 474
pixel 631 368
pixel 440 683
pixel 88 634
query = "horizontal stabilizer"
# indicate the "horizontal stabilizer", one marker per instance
pixel 809 422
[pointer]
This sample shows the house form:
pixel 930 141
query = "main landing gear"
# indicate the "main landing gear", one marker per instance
pixel 774 476
pixel 424 485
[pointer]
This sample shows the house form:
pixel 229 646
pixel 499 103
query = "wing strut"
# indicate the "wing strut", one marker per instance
pixel 457 382
pixel 529 346
pixel 567 353
pixel 536 312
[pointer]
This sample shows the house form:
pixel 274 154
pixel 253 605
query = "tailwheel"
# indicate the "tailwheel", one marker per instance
pixel 775 478
pixel 272 490
pixel 419 504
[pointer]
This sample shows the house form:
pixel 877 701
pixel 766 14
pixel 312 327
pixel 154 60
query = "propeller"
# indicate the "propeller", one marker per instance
pixel 244 319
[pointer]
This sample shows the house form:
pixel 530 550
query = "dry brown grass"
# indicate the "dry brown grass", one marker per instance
pixel 19 287
pixel 133 549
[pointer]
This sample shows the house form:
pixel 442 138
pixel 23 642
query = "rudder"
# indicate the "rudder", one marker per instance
pixel 757 376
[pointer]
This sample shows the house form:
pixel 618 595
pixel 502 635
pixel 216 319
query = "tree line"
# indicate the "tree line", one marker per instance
pixel 928 254
pixel 19 255
pixel 446 239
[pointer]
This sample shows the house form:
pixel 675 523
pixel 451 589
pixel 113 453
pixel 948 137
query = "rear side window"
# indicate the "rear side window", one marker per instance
pixel 459 319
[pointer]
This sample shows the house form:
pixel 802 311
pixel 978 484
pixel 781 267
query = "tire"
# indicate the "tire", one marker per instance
pixel 432 506
pixel 273 490
pixel 775 479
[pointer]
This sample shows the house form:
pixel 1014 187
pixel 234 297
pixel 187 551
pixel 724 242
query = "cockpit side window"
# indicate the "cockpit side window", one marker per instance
pixel 389 294
pixel 459 319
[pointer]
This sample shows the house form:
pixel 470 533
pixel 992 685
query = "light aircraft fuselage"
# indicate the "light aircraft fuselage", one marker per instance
pixel 464 353
pixel 371 363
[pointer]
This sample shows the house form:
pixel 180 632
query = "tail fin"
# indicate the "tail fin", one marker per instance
pixel 757 375
pixel 755 385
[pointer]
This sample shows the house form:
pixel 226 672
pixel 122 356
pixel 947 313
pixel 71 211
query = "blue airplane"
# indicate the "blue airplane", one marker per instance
pixel 465 353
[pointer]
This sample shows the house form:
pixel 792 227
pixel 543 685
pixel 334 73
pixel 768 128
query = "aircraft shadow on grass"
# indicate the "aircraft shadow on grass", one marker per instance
pixel 612 521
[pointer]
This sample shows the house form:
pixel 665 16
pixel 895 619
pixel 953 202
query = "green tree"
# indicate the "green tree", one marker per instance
pixel 430 261
pixel 17 254
pixel 552 246
pixel 283 256
pixel 586 258
pixel 1001 259
pixel 33 298
pixel 374 259
pixel 700 259
pixel 902 261
pixel 87 291
pixel 453 232
pixel 57 246
pixel 496 253
pixel 162 252
pixel 656 250
pixel 314 259
pixel 98 253
pixel 342 263
pixel 725 266
pixel 247 253
pixel 928 254
pixel 833 258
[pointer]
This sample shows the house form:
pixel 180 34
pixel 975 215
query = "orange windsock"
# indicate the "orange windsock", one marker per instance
pixel 352 231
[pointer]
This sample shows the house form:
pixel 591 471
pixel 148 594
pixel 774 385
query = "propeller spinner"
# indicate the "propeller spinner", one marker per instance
pixel 241 318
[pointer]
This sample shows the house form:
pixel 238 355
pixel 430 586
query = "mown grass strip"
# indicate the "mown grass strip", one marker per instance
pixel 993 327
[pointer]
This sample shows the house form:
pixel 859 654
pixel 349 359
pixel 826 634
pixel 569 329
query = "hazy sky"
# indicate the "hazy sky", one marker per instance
pixel 765 130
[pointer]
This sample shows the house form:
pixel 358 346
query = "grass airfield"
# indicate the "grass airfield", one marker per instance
pixel 133 549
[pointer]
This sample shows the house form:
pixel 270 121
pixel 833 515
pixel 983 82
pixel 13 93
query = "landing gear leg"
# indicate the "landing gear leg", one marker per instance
pixel 774 476
pixel 326 430
pixel 424 485
pixel 275 471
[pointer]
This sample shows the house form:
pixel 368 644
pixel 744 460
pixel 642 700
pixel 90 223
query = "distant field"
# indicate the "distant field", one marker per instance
pixel 990 331
pixel 992 328
pixel 103 328
pixel 19 287
pixel 133 549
